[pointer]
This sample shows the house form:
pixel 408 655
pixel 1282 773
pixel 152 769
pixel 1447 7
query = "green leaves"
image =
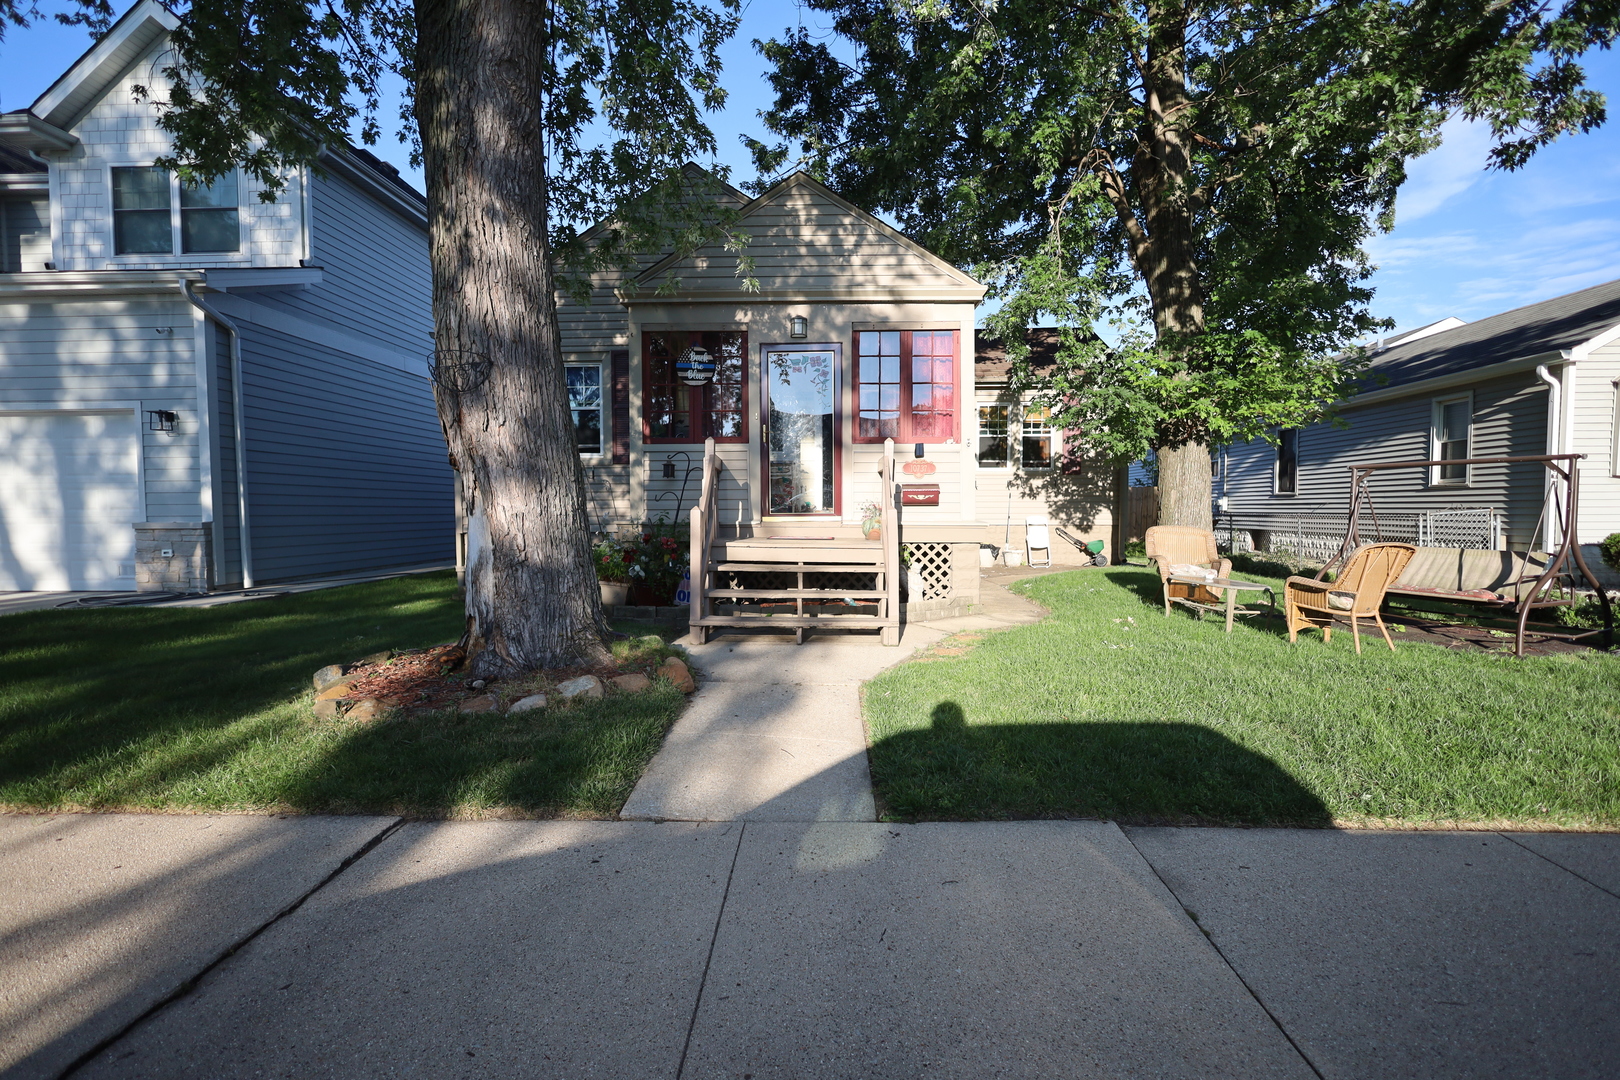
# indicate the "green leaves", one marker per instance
pixel 1203 177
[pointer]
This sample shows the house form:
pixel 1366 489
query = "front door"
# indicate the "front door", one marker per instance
pixel 799 418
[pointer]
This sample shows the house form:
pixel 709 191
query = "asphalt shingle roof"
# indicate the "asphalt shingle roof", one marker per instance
pixel 1534 330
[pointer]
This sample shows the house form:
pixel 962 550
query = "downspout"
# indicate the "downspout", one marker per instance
pixel 1555 415
pixel 242 533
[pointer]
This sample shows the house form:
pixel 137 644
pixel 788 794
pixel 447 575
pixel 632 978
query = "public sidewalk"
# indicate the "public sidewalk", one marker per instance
pixel 775 733
pixel 170 946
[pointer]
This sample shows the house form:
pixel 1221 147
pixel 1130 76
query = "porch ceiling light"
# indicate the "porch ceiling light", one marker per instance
pixel 799 327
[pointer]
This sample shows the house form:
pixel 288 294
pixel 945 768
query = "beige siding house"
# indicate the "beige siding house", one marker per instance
pixel 855 336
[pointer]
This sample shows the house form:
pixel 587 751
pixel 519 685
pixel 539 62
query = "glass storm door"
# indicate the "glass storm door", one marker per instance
pixel 800 421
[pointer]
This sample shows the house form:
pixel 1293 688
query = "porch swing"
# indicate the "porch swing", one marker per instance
pixel 1520 582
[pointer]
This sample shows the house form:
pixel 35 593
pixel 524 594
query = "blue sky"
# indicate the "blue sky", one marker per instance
pixel 1466 243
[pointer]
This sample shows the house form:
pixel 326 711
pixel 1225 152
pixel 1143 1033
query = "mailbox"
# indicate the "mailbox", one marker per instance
pixel 919 494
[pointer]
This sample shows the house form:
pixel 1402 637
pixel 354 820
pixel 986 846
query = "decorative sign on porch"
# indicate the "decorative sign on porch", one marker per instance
pixel 695 367
pixel 919 468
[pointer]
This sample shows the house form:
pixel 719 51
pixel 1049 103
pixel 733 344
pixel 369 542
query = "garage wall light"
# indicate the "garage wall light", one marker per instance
pixel 161 420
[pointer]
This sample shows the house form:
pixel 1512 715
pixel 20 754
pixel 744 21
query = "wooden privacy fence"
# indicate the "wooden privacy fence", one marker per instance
pixel 1141 511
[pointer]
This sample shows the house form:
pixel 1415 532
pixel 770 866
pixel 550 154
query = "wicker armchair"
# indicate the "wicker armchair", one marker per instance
pixel 1181 545
pixel 1356 594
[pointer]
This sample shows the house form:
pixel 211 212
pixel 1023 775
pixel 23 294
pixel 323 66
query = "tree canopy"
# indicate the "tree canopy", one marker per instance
pixel 1203 176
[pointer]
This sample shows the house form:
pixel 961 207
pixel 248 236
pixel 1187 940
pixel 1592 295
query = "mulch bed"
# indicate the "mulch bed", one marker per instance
pixel 432 679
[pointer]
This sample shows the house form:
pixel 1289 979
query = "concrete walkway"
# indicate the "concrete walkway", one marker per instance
pixel 774 732
pixel 354 947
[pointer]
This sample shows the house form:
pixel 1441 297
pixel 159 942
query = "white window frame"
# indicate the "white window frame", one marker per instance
pixel 604 410
pixel 1436 417
pixel 978 434
pixel 1051 435
pixel 1614 433
pixel 174 252
pixel 1276 464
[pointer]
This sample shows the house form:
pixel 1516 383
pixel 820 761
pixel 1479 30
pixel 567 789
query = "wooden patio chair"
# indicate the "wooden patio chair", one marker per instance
pixel 1182 545
pixel 1356 594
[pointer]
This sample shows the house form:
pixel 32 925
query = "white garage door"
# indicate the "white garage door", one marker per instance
pixel 68 495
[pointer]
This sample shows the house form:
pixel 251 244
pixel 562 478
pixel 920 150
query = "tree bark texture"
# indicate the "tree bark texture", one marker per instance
pixel 532 597
pixel 1163 243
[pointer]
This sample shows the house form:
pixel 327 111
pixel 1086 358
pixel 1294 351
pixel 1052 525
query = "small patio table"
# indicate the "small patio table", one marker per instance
pixel 1232 588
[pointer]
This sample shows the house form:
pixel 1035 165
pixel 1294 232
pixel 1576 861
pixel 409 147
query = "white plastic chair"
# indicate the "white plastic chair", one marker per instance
pixel 1037 537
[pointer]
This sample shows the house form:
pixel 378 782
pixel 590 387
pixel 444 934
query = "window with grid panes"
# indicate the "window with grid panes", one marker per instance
pixel 585 404
pixel 993 428
pixel 677 412
pixel 146 201
pixel 1036 437
pixel 905 385
pixel 1452 420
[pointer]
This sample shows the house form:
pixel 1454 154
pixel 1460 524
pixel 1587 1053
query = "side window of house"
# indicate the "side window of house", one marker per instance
pixel 1037 438
pixel 905 385
pixel 993 436
pixel 154 214
pixel 585 402
pixel 1288 461
pixel 1453 418
pixel 686 400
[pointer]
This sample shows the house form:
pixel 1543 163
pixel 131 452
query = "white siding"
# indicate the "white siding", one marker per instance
pixel 1595 405
pixel 125 349
pixel 121 130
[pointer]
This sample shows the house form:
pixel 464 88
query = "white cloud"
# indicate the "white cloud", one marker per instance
pixel 1450 169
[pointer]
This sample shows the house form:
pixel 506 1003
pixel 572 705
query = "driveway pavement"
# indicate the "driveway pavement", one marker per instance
pixel 354 947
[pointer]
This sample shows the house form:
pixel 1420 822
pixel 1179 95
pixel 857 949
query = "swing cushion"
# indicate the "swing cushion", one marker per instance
pixel 1469 574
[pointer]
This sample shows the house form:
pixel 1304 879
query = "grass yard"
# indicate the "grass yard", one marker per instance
pixel 1109 709
pixel 209 709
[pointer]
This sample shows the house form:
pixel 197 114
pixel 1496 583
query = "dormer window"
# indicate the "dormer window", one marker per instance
pixel 155 213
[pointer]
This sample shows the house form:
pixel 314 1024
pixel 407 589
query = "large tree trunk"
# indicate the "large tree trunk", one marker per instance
pixel 1164 181
pixel 532 599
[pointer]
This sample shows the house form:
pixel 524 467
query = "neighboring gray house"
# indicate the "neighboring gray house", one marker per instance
pixel 122 293
pixel 1539 379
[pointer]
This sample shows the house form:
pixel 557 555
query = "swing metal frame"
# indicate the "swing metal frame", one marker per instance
pixel 1564 567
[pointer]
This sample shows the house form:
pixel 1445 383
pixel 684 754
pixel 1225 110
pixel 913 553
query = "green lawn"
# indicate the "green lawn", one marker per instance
pixel 209 709
pixel 1110 709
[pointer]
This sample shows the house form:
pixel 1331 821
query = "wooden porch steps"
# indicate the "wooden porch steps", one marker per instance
pixel 715 562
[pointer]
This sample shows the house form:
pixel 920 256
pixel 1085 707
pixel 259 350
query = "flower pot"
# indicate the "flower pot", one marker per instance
pixel 647 596
pixel 875 533
pixel 1014 558
pixel 614 593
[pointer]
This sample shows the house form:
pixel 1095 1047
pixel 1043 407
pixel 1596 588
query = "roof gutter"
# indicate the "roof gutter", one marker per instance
pixel 243 534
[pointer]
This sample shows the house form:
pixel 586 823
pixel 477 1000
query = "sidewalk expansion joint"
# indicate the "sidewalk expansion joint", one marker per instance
pixel 725 895
pixel 1561 866
pixel 190 984
pixel 1258 1000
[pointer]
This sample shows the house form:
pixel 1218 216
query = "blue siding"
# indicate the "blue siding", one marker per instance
pixel 346 463
pixel 376 277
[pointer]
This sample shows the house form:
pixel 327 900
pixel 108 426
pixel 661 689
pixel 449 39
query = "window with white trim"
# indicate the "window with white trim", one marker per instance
pixel 1452 430
pixel 1287 471
pixel 1614 434
pixel 585 404
pixel 1036 437
pixel 994 425
pixel 156 213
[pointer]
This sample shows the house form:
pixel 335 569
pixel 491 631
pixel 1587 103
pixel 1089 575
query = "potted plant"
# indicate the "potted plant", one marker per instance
pixel 612 573
pixel 872 521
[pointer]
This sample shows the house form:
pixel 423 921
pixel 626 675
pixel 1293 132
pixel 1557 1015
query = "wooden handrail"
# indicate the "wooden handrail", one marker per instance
pixel 891 548
pixel 703 527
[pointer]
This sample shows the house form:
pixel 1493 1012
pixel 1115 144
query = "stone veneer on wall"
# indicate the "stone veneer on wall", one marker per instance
pixel 186 567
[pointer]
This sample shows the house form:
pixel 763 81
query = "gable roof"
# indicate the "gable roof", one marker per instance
pixel 990 363
pixel 810 244
pixel 83 84
pixel 1532 331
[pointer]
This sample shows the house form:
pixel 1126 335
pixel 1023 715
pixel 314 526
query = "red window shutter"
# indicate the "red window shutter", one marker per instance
pixel 619 361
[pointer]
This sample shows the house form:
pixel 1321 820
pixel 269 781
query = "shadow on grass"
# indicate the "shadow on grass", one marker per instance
pixel 209 709
pixel 1135 772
